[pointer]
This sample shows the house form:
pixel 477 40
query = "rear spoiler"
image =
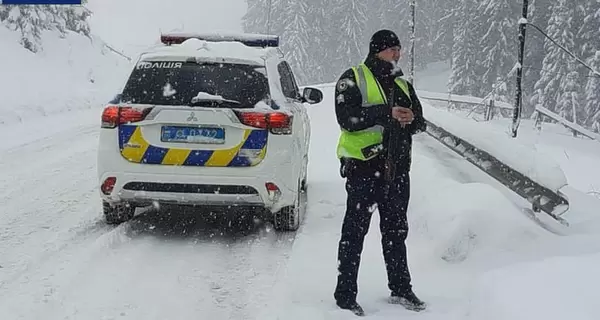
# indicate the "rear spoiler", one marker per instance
pixel 251 40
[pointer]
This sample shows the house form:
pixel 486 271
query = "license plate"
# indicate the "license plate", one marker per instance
pixel 209 135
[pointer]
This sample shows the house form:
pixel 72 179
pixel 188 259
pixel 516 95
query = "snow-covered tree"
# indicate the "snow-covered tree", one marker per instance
pixel 28 20
pixel 557 63
pixel 321 46
pixel 592 95
pixel 296 39
pixel 352 40
pixel 479 38
pixel 498 44
pixel 466 77
pixel 589 43
pixel 539 14
pixel 587 25
pixel 32 20
pixel 76 19
pixel 443 29
pixel 569 97
pixel 389 14
pixel 255 19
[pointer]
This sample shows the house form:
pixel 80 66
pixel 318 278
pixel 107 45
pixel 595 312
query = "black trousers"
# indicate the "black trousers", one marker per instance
pixel 364 191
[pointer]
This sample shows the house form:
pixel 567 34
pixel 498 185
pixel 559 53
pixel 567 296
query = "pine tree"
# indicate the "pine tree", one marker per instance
pixel 351 45
pixel 498 44
pixel 587 31
pixel 465 76
pixel 278 18
pixel 28 20
pixel 557 64
pixel 425 31
pixel 32 20
pixel 569 97
pixel 592 95
pixel 443 30
pixel 538 15
pixel 255 19
pixel 76 19
pixel 321 38
pixel 296 40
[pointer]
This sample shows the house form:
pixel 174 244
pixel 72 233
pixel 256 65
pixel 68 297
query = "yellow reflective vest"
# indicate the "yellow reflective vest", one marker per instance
pixel 368 143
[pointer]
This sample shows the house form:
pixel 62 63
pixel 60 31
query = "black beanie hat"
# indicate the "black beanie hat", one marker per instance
pixel 382 40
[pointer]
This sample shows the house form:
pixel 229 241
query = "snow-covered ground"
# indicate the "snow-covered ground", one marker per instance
pixel 474 254
pixel 71 73
pixel 576 156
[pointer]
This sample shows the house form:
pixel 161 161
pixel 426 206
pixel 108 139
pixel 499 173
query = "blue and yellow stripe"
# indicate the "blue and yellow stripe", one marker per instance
pixel 136 149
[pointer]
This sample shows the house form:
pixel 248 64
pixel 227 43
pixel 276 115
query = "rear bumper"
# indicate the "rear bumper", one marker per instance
pixel 143 184
pixel 145 189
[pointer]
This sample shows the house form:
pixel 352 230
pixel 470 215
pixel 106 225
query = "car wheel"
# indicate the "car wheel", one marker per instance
pixel 288 218
pixel 117 214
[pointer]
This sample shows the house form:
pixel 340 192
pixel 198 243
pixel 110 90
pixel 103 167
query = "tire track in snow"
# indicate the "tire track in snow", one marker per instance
pixel 61 262
pixel 139 268
pixel 48 199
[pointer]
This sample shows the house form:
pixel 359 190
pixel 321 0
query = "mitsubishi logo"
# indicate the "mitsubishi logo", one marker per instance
pixel 192 117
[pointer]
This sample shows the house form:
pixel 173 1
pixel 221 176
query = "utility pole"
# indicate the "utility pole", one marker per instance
pixel 270 5
pixel 411 78
pixel 518 108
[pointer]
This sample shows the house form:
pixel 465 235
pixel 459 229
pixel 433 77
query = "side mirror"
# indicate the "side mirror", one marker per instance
pixel 116 99
pixel 312 95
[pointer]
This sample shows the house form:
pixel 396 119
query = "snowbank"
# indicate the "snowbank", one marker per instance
pixel 527 160
pixel 552 289
pixel 577 156
pixel 469 220
pixel 71 73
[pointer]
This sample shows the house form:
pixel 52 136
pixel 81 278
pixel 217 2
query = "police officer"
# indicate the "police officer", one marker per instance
pixel 378 113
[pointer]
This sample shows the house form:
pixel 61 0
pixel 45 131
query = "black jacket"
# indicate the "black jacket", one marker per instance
pixel 351 116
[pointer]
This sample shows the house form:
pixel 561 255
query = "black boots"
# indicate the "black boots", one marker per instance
pixel 408 300
pixel 354 307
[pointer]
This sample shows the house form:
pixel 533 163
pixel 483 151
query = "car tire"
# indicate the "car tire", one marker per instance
pixel 289 217
pixel 117 214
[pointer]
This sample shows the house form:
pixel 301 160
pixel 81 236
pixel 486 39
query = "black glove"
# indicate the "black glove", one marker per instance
pixel 343 168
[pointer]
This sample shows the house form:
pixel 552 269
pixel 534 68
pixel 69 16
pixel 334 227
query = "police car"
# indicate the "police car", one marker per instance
pixel 207 120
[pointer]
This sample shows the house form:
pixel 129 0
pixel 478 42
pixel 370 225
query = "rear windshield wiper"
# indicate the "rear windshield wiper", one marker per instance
pixel 205 98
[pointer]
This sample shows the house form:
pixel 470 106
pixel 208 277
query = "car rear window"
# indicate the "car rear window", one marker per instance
pixel 176 83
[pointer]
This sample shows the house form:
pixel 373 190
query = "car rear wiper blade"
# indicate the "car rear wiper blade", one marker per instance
pixel 206 98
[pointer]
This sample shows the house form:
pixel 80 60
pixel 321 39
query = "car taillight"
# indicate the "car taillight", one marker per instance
pixel 112 116
pixel 276 122
pixel 273 191
pixel 108 185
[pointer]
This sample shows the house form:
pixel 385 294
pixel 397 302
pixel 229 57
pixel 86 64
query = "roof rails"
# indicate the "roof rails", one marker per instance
pixel 251 40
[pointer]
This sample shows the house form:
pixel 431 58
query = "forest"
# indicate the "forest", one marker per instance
pixel 477 38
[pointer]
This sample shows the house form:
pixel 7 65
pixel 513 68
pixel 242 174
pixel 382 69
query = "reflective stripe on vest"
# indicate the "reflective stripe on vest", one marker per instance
pixel 366 144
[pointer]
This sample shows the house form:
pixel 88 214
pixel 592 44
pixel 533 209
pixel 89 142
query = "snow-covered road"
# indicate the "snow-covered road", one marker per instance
pixel 59 261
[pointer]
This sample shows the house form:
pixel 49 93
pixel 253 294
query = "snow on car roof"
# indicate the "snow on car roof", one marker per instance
pixel 221 51
pixel 249 39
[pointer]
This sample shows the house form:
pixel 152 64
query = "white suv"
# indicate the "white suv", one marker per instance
pixel 207 120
